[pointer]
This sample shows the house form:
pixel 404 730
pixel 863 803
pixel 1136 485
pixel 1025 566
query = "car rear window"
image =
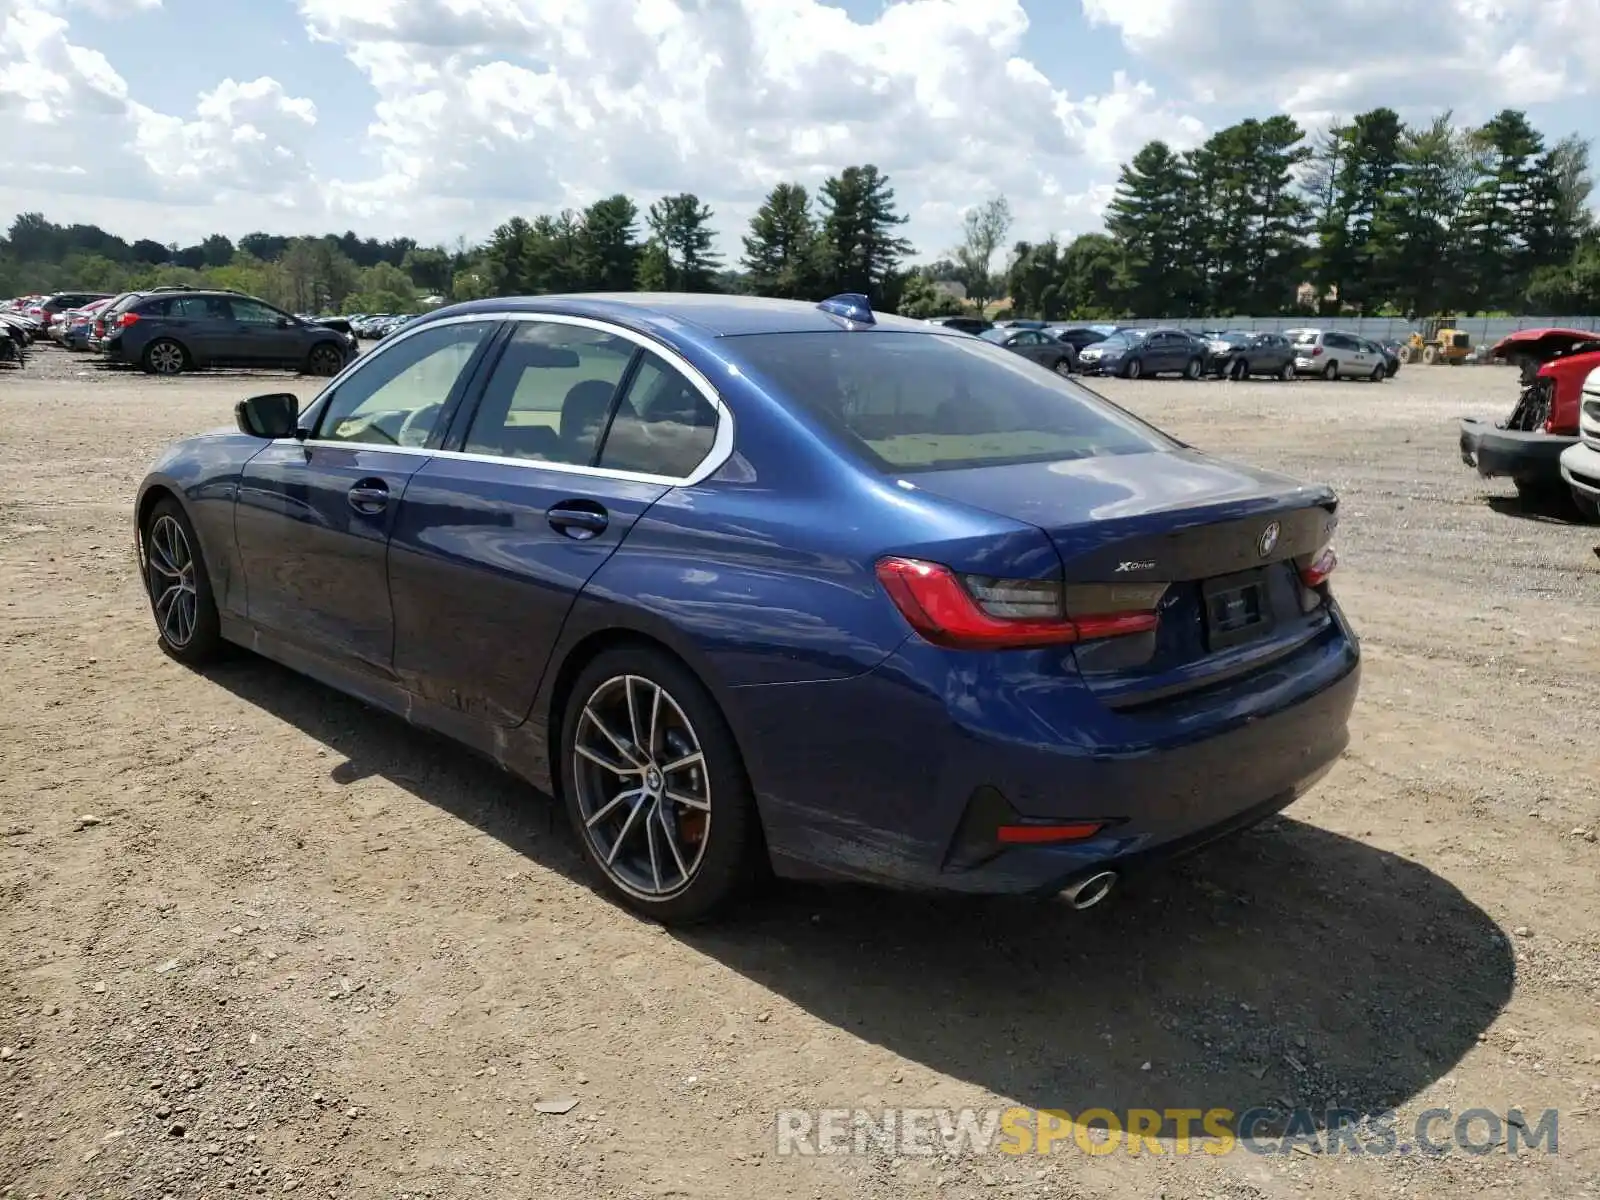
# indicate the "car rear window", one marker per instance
pixel 918 402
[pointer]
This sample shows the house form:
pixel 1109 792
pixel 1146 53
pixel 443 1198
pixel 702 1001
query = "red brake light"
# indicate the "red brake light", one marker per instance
pixel 998 614
pixel 1036 835
pixel 1321 567
pixel 126 319
pixel 1315 351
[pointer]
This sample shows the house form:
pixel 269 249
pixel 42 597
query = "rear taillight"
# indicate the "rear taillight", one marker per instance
pixel 126 319
pixel 1316 573
pixel 1316 351
pixel 979 612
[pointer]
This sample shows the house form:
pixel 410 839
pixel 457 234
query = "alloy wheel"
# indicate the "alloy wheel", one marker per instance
pixel 170 576
pixel 324 361
pixel 642 787
pixel 166 358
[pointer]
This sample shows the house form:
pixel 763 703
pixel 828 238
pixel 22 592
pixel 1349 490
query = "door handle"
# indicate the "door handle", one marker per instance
pixel 578 519
pixel 369 496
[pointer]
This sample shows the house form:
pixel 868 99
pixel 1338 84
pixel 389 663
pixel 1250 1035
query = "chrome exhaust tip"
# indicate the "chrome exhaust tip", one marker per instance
pixel 1088 892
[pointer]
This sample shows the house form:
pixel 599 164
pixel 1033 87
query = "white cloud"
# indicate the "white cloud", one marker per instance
pixel 548 103
pixel 1347 55
pixel 75 129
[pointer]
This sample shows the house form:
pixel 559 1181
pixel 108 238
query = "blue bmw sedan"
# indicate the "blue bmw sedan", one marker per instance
pixel 750 583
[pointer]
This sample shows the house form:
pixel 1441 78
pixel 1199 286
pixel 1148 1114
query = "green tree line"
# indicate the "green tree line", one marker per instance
pixel 1374 216
pixel 845 238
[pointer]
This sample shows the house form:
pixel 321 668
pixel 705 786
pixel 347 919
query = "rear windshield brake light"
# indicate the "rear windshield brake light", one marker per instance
pixel 982 613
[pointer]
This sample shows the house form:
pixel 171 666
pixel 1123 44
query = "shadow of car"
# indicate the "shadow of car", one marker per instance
pixel 1288 967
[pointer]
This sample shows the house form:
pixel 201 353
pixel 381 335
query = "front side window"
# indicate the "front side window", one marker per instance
pixel 397 397
pixel 664 425
pixel 253 312
pixel 550 394
pixel 910 402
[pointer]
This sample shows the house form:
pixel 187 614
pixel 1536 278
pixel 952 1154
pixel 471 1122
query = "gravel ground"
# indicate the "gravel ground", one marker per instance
pixel 257 940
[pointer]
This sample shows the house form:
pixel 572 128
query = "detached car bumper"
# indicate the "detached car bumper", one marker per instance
pixel 1533 456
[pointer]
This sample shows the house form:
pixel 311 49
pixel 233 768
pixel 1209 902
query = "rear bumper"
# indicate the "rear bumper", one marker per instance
pixel 878 778
pixel 1580 468
pixel 1531 456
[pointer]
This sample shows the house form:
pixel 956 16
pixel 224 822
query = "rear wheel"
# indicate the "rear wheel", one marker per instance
pixel 1588 507
pixel 1331 371
pixel 164 357
pixel 1286 372
pixel 1063 367
pixel 1194 368
pixel 179 587
pixel 655 787
pixel 1379 374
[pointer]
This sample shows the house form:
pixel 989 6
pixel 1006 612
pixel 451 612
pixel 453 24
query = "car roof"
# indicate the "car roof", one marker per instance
pixel 708 313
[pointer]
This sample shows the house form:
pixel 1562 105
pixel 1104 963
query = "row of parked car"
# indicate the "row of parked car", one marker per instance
pixel 169 330
pixel 1228 354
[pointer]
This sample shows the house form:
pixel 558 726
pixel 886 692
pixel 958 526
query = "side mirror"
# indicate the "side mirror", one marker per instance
pixel 283 322
pixel 274 415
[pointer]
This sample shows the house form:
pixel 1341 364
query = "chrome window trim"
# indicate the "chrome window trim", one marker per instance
pixel 721 443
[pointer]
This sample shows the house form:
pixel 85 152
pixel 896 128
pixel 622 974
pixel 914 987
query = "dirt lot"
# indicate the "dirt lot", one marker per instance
pixel 255 939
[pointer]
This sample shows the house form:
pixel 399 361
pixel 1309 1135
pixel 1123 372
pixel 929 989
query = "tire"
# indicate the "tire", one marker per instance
pixel 186 622
pixel 1331 371
pixel 710 860
pixel 1133 369
pixel 165 357
pixel 1193 369
pixel 1286 372
pixel 1063 367
pixel 1239 371
pixel 1430 355
pixel 1588 508
pixel 1379 374
pixel 323 360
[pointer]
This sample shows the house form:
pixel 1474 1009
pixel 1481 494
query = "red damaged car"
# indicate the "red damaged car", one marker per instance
pixel 1527 446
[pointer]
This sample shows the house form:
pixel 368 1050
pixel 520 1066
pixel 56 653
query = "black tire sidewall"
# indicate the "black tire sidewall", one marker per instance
pixel 319 350
pixel 207 639
pixel 1331 371
pixel 733 856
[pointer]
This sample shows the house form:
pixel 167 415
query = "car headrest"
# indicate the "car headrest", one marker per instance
pixel 584 407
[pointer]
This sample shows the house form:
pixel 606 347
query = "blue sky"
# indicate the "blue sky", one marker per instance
pixel 172 118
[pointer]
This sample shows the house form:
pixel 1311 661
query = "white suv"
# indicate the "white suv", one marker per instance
pixel 1580 464
pixel 1332 354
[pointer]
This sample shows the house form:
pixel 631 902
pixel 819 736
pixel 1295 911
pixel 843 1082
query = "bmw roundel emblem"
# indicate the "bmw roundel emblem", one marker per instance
pixel 1268 539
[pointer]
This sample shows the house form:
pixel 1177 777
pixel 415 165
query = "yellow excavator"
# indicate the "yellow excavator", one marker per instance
pixel 1438 341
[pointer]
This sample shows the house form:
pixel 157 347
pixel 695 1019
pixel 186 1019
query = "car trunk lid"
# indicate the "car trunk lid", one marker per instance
pixel 1222 545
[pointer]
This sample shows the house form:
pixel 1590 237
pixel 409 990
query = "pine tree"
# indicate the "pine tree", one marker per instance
pixel 680 225
pixel 1149 218
pixel 610 250
pixel 858 234
pixel 781 251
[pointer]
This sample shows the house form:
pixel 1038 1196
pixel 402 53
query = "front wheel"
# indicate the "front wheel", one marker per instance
pixel 1588 507
pixel 1063 367
pixel 1379 374
pixel 1134 369
pixel 179 588
pixel 655 787
pixel 324 360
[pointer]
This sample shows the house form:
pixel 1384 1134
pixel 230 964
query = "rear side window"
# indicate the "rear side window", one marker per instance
pixel 550 394
pixel 663 426
pixel 915 402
